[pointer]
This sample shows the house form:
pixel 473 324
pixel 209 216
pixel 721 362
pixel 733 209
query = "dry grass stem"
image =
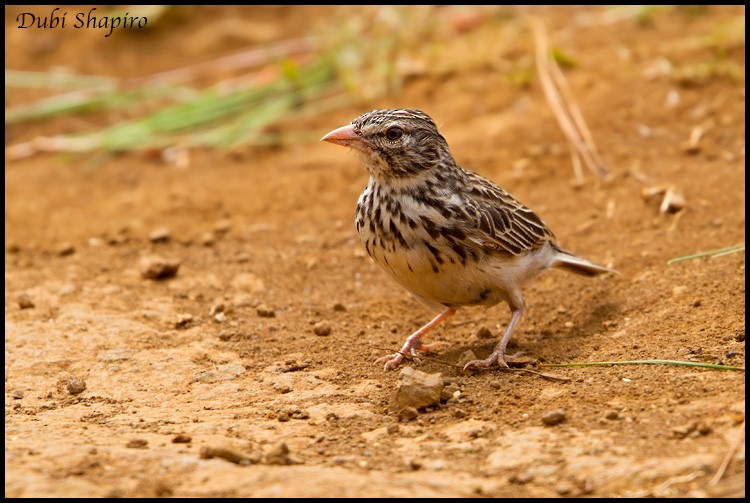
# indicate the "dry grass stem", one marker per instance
pixel 566 111
pixel 728 457
pixel 251 58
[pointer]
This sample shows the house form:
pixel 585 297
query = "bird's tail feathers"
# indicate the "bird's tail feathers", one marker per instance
pixel 578 265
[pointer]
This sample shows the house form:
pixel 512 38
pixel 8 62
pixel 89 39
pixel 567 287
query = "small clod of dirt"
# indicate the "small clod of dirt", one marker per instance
pixel 159 235
pixel 183 320
pixel 75 385
pixel 554 417
pixel 322 328
pixel 182 438
pixel 265 312
pixel 137 443
pixel 231 455
pixel 24 301
pixel 156 267
pixel 66 249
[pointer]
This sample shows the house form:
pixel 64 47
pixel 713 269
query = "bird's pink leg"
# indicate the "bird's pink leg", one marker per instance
pixel 498 355
pixel 414 342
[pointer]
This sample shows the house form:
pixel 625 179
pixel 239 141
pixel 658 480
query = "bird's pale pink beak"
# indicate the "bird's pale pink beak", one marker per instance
pixel 346 136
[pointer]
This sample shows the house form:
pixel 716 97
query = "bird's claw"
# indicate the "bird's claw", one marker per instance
pixel 412 347
pixel 391 361
pixel 484 364
pixel 495 358
pixel 394 360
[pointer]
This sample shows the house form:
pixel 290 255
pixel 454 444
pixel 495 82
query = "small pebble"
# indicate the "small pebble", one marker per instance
pixel 484 333
pixel 450 391
pixel 76 386
pixel 183 320
pixel 554 417
pixel 612 415
pixel 155 267
pixel 339 307
pixel 66 249
pixel 414 464
pixel 207 239
pixel 300 414
pixel 17 394
pixel 564 488
pixel 222 226
pixel 294 366
pixel 690 148
pixel 282 388
pixel 704 429
pixel 229 455
pixel 521 478
pixel 264 312
pixel 407 414
pixel 137 443
pixel 150 488
pixel 160 235
pixel 181 438
pixel 24 301
pixel 460 414
pixel 322 328
pixel 465 358
pixel 684 430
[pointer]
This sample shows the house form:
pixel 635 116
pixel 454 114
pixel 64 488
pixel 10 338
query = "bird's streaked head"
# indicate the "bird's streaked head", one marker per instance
pixel 394 143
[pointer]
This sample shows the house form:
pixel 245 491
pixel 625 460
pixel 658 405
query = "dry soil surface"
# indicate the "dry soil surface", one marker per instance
pixel 260 351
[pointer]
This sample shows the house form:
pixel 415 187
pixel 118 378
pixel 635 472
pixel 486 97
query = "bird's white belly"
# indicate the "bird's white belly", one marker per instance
pixel 485 282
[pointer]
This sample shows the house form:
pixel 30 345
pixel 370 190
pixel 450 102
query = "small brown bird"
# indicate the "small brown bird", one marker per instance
pixel 446 234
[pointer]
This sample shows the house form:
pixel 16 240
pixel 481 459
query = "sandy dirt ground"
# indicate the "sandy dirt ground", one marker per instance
pixel 251 372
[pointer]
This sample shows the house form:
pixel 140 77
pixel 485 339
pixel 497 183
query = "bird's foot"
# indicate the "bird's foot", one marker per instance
pixel 410 348
pixel 497 357
pixel 391 361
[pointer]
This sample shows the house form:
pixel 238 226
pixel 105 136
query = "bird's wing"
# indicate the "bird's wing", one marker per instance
pixel 499 222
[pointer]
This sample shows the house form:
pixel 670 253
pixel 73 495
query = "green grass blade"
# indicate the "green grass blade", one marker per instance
pixel 646 362
pixel 714 253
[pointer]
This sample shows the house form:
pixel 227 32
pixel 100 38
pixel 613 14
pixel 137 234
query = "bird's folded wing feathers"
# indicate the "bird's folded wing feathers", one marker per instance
pixel 500 222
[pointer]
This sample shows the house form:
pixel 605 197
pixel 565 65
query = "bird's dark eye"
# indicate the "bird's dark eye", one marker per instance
pixel 394 133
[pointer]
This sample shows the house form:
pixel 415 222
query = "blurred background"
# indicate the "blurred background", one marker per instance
pixel 205 76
